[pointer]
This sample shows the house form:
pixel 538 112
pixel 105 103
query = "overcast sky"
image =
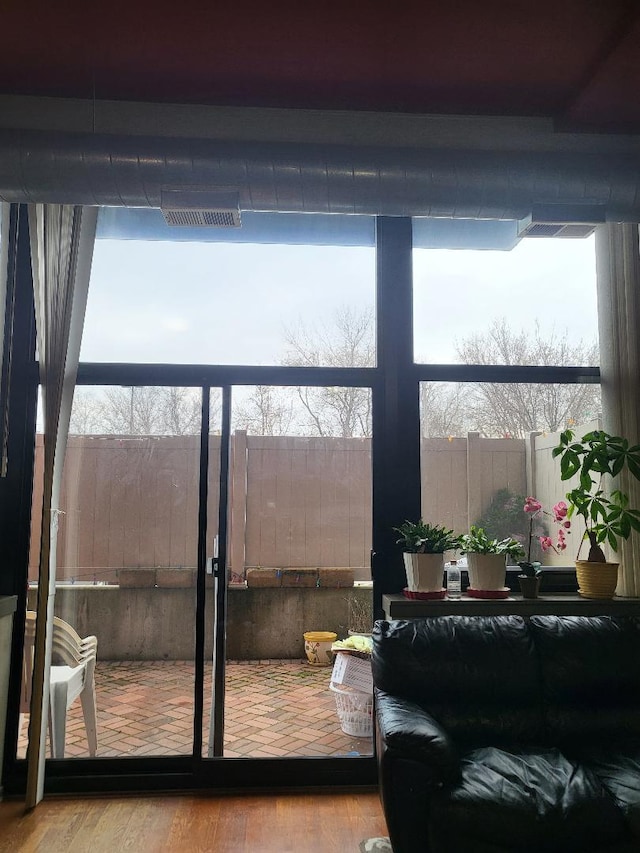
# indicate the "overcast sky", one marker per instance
pixel 154 301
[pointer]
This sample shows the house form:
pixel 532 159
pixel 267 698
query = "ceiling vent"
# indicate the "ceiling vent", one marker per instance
pixel 562 220
pixel 201 208
pixel 526 228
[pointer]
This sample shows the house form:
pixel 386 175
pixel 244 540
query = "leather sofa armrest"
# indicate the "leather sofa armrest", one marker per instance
pixel 412 733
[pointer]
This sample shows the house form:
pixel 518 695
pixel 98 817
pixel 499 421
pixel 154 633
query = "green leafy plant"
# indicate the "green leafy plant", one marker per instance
pixel 478 542
pixel 419 537
pixel 607 517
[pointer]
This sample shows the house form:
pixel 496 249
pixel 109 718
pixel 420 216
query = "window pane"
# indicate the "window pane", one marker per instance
pixel 478 462
pixel 299 561
pixel 126 557
pixel 168 300
pixel 533 305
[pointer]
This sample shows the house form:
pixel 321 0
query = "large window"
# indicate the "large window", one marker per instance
pixel 200 557
pixel 223 297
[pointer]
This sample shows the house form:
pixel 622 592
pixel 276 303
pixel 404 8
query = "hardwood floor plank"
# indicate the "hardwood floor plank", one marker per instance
pixel 195 823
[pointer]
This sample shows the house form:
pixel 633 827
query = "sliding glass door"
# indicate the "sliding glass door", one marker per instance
pixel 297 562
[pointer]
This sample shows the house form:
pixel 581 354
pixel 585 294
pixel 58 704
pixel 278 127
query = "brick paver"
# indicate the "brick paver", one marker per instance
pixel 272 708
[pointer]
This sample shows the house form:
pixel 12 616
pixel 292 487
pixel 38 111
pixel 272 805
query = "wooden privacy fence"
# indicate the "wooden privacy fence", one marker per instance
pixel 132 502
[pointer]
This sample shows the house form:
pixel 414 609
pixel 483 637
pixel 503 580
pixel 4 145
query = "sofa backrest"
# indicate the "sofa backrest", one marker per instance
pixel 478 676
pixel 590 669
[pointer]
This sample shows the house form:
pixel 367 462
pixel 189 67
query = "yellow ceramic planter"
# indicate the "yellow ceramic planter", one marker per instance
pixel 317 646
pixel 596 580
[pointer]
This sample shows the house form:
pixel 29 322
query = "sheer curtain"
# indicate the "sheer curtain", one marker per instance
pixel 62 238
pixel 618 271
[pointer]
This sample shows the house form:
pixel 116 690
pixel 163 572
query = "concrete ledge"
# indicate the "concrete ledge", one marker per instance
pixel 159 624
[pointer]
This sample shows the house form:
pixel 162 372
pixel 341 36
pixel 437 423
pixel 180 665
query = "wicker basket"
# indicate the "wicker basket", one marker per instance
pixel 355 710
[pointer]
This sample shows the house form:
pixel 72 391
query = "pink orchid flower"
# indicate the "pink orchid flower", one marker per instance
pixel 560 511
pixel 532 505
pixel 559 514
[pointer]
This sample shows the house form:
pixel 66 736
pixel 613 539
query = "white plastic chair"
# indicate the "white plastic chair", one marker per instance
pixel 73 664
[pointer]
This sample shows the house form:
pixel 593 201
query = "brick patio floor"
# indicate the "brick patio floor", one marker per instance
pixel 272 708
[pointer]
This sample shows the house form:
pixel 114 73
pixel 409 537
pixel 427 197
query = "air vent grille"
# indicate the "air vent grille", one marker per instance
pixel 203 218
pixel 562 220
pixel 577 229
pixel 541 229
pixel 200 208
pixel 527 228
pixel 557 229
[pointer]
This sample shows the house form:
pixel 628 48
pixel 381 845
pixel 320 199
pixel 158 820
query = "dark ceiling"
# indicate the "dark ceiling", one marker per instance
pixel 577 61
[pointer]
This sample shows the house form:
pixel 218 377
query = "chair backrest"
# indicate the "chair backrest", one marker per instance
pixel 68 649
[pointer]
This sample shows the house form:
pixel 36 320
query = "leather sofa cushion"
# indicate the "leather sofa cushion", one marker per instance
pixel 413 734
pixel 479 678
pixel 590 676
pixel 526 799
pixel 618 769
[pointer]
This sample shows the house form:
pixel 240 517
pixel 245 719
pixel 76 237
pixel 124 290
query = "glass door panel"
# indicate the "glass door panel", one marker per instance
pixel 127 556
pixel 298 549
pixel 212 685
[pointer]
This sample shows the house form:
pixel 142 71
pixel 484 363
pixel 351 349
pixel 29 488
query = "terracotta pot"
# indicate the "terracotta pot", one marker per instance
pixel 425 572
pixel 486 571
pixel 596 580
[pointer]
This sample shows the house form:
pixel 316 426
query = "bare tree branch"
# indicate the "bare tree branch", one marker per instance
pixel 516 409
pixel 267 411
pixel 347 342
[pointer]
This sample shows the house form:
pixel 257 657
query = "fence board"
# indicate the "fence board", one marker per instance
pixel 213 500
pixel 84 519
pixel 118 514
pixel 299 473
pixel 285 500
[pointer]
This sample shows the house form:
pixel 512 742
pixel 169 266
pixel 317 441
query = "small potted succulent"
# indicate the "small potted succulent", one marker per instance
pixel 487 559
pixel 597 458
pixel 423 547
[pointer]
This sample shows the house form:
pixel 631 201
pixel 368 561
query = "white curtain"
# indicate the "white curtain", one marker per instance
pixel 618 272
pixel 62 238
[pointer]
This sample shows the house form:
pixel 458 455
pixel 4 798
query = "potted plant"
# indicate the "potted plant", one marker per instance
pixel 531 571
pixel 487 558
pixel 423 548
pixel 607 516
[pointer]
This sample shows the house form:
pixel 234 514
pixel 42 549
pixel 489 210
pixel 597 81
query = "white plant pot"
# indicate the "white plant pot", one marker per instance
pixel 487 571
pixel 425 572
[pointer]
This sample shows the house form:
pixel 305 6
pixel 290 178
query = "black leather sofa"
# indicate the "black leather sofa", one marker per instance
pixel 500 734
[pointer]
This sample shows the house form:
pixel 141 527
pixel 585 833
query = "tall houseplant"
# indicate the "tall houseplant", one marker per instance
pixel 423 547
pixel 487 558
pixel 597 458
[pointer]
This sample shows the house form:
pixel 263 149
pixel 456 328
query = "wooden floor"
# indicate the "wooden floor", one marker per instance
pixel 293 823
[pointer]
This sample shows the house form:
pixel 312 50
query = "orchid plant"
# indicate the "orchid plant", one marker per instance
pixel 559 513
